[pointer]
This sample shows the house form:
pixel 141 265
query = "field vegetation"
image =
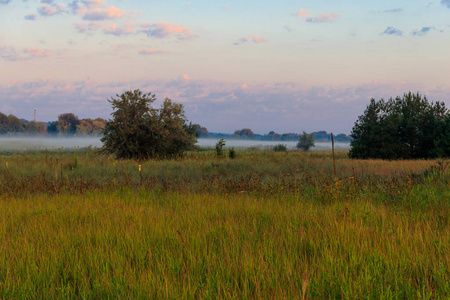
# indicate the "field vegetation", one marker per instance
pixel 264 224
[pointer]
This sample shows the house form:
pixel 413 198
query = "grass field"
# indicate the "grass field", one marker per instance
pixel 264 225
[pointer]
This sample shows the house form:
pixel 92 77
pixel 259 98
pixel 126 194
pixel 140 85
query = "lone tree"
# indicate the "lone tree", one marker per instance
pixel 406 127
pixel 306 141
pixel 140 131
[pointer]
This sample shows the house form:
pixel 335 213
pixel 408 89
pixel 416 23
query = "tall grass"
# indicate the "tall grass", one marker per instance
pixel 263 225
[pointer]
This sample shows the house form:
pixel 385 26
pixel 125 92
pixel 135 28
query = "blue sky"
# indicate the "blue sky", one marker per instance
pixel 286 66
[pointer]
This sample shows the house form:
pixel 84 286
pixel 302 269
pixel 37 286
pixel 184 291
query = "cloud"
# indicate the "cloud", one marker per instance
pixel 422 31
pixel 35 52
pixel 31 17
pixel 4 2
pixel 251 37
pixel 257 39
pixel 87 27
pixel 152 51
pixel 119 30
pixel 304 13
pixel 10 53
pixel 166 29
pixel 392 11
pixel 220 106
pixel 321 18
pixel 446 3
pixel 50 10
pixel 98 14
pixel 392 31
pixel 324 18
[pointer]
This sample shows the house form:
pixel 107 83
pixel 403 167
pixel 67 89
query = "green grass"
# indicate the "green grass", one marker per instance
pixel 263 225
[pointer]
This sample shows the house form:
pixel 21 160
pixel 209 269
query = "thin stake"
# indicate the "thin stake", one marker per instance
pixel 334 157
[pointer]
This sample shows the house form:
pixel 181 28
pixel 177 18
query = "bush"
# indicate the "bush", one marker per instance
pixel 219 147
pixel 279 148
pixel 232 153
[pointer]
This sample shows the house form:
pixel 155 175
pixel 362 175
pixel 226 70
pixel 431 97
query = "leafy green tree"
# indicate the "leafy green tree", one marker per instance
pixel 35 128
pixel 52 128
pixel 245 133
pixel 219 147
pixel 404 127
pixel 67 124
pixel 138 130
pixel 306 141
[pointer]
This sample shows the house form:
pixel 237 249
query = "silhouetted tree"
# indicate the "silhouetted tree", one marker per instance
pixel 404 127
pixel 138 130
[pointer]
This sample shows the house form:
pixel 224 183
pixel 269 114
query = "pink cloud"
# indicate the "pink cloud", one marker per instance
pixel 303 13
pixel 166 29
pixel 87 27
pixel 49 10
pixel 253 38
pixel 119 30
pixel 151 51
pixel 257 39
pixel 330 17
pixel 98 14
pixel 35 52
pixel 321 18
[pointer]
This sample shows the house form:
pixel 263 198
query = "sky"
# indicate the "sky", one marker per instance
pixel 281 65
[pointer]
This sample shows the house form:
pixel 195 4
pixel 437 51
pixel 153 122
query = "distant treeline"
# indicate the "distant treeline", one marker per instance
pixel 247 134
pixel 68 125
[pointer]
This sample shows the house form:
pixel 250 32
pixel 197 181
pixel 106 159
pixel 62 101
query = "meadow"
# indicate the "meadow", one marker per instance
pixel 75 224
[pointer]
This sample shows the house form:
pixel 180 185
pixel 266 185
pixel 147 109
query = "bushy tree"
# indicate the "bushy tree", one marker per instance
pixel 306 141
pixel 404 127
pixel 245 133
pixel 138 130
pixel 67 124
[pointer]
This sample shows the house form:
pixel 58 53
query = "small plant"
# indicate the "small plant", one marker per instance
pixel 232 153
pixel 280 148
pixel 219 147
pixel 306 141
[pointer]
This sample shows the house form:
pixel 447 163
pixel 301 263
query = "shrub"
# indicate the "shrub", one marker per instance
pixel 280 148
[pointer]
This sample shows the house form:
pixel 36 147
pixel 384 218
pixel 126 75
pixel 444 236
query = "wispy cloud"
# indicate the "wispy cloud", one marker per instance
pixel 320 18
pixel 35 52
pixel 10 53
pixel 446 3
pixel 251 37
pixel 423 31
pixel 151 51
pixel 87 27
pixel 392 31
pixel 304 13
pixel 166 29
pixel 392 11
pixel 220 106
pixel 119 30
pixel 4 1
pixel 50 10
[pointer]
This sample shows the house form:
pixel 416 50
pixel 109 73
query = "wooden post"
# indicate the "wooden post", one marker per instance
pixel 334 157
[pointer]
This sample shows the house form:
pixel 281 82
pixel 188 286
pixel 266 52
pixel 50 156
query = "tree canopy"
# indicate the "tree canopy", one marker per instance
pixel 306 141
pixel 406 127
pixel 137 130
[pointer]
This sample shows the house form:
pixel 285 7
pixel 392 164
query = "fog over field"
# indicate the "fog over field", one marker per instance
pixel 42 143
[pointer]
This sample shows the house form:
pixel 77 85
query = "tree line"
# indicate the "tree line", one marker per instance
pixel 67 124
pixel 408 127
